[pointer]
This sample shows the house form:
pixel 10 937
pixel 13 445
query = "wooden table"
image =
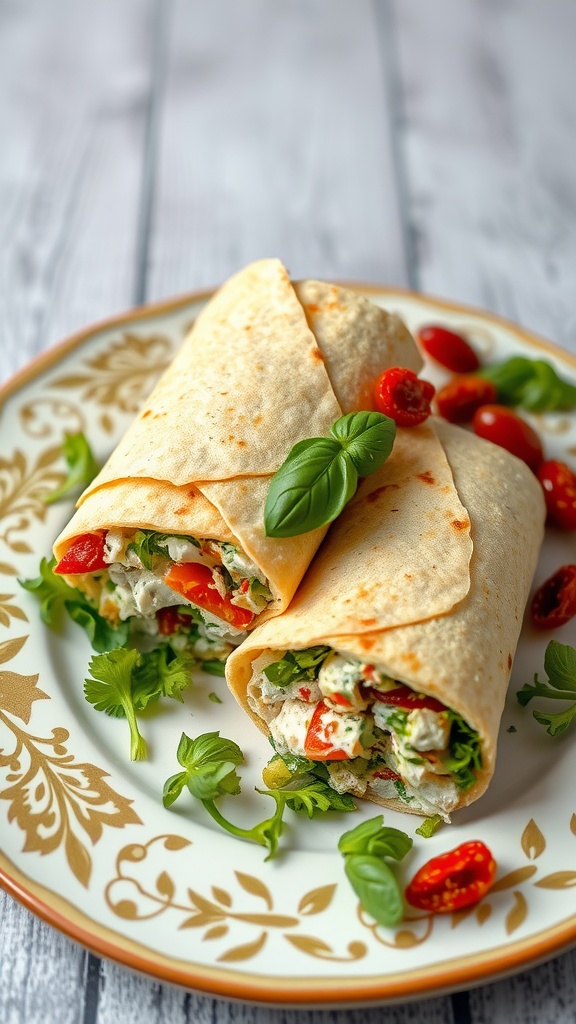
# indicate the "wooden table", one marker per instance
pixel 150 147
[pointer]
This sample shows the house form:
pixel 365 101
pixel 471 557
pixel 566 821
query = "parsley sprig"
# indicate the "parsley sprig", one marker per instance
pixel 209 770
pixel 320 474
pixel 560 666
pixel 364 849
pixel 123 682
pixel 82 466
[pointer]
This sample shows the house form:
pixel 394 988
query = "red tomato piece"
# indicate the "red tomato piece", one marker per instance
pixel 453 880
pixel 500 425
pixel 194 581
pixel 554 603
pixel 559 485
pixel 448 348
pixel 85 554
pixel 169 619
pixel 316 746
pixel 404 697
pixel 458 400
pixel 400 394
pixel 387 774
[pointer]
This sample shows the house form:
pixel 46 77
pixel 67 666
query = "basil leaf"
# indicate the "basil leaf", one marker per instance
pixel 310 489
pixel 560 665
pixel 533 384
pixel 368 438
pixel 376 888
pixel 375 839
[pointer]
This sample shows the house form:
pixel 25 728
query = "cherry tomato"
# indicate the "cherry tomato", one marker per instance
pixel 559 484
pixel 169 619
pixel 404 697
pixel 316 745
pixel 458 400
pixel 194 581
pixel 85 554
pixel 400 394
pixel 448 348
pixel 500 425
pixel 554 603
pixel 453 880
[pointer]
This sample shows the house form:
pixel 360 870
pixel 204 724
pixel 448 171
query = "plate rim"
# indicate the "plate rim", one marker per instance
pixel 436 979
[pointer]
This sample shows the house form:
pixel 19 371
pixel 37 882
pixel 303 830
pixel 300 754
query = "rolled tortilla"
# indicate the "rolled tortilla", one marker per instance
pixel 381 595
pixel 266 364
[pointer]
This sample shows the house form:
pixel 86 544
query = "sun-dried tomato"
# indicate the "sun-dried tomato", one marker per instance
pixel 453 880
pixel 554 603
pixel 402 396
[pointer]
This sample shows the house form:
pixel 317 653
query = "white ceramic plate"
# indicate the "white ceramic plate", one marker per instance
pixel 85 841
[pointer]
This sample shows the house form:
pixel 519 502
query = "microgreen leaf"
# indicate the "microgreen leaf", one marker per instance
pixel 560 664
pixel 82 466
pixel 295 665
pixel 57 597
pixel 320 474
pixel 533 384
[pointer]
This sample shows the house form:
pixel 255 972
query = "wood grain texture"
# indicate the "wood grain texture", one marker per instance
pixel 273 140
pixel 489 146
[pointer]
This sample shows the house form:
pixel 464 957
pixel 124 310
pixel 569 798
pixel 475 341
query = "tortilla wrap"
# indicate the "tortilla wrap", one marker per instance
pixel 266 364
pixel 373 592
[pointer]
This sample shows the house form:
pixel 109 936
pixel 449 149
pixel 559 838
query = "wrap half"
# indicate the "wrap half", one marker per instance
pixel 382 671
pixel 170 534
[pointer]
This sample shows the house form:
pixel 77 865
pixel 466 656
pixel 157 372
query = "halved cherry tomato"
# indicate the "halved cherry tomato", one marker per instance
pixel 453 880
pixel 458 400
pixel 404 697
pixel 554 603
pixel 448 348
pixel 194 581
pixel 500 425
pixel 559 484
pixel 400 394
pixel 85 554
pixel 316 746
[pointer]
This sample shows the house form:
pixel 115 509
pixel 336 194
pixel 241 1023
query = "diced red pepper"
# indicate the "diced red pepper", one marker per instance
pixel 85 554
pixel 195 582
pixel 169 619
pixel 404 697
pixel 305 692
pixel 339 698
pixel 387 774
pixel 316 746
pixel 554 603
pixel 453 880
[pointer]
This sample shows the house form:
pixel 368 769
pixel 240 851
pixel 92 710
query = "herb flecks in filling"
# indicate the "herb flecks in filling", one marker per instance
pixel 368 731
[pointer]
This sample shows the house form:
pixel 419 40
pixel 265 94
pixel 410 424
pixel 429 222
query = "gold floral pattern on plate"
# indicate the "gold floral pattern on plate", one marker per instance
pixel 24 484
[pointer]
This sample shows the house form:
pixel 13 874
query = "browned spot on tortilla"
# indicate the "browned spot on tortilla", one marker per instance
pixel 317 356
pixel 374 495
pixel 367 622
pixel 407 576
pixel 192 493
pixel 366 642
pixel 181 511
pixel 509 662
pixel 247 327
pixel 147 412
pixel 311 307
pixel 257 419
pixel 460 524
pixel 242 444
pixel 426 477
pixel 412 660
pixel 361 592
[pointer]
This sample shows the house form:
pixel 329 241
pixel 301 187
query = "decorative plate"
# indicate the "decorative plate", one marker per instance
pixel 85 841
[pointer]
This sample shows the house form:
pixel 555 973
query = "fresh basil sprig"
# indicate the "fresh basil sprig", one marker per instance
pixel 532 384
pixel 372 879
pixel 560 666
pixel 82 466
pixel 320 474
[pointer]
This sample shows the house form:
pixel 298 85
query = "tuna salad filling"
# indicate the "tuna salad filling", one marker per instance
pixel 374 735
pixel 202 594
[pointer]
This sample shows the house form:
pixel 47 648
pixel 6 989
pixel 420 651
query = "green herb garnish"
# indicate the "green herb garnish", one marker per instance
pixel 209 764
pixel 364 849
pixel 465 756
pixel 560 666
pixel 296 665
pixel 320 474
pixel 56 597
pixel 82 466
pixel 123 682
pixel 214 698
pixel 429 826
pixel 532 384
pixel 213 667
pixel 147 543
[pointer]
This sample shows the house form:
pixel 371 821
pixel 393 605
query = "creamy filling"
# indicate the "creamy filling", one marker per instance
pixel 374 734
